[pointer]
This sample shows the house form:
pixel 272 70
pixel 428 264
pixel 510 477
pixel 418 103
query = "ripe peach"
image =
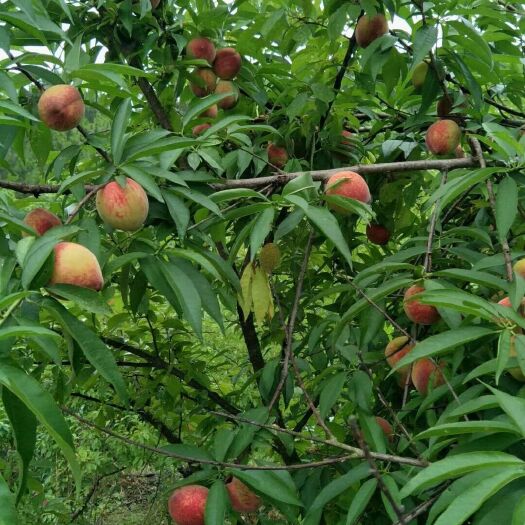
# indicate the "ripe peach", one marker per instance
pixel 346 134
pixel 377 234
pixel 61 107
pixel 386 427
pixel 350 185
pixel 444 106
pixel 369 28
pixel 41 220
pixel 211 112
pixel 200 128
pixel 419 75
pixel 417 312
pixel 425 373
pixel 123 208
pixel 241 497
pixel 443 137
pixel 201 48
pixel 205 82
pixel 225 86
pixel 398 348
pixel 276 155
pixel 519 268
pixel 227 63
pixel 75 264
pixel 188 504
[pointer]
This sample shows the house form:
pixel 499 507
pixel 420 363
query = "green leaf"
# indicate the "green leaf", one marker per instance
pixel 360 501
pixel 8 515
pixel 118 129
pixel 467 503
pixel 444 342
pixel 178 211
pixel 504 344
pixel 24 425
pixel 506 205
pixel 424 40
pixel 518 518
pixel 262 226
pixel 467 427
pixel 330 393
pixel 339 485
pixel 202 105
pixel 276 484
pixel 96 352
pixel 216 504
pixel 27 331
pixel 188 451
pixel 454 466
pixel 85 298
pixel 327 224
pixel 513 406
pixel 40 402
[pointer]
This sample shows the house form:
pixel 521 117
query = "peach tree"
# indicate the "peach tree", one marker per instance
pixel 287 236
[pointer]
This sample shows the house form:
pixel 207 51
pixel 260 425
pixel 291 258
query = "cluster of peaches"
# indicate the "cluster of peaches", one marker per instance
pixel 187 505
pixel 224 65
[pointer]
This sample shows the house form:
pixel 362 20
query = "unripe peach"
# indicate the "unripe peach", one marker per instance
pixel 276 155
pixel 377 234
pixel 398 348
pixel 188 504
pixel 200 128
pixel 419 75
pixel 386 427
pixel 41 220
pixel 123 208
pixel 61 107
pixel 75 264
pixel 241 497
pixel 201 48
pixel 369 28
pixel 516 372
pixel 443 137
pixel 205 82
pixel 227 63
pixel 425 373
pixel 417 312
pixel 211 112
pixel 350 185
pixel 225 86
pixel 519 268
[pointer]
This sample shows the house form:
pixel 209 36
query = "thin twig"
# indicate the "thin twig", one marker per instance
pixel 380 483
pixel 289 328
pixel 87 197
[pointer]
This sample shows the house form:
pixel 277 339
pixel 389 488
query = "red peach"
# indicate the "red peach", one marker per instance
pixel 227 63
pixel 276 155
pixel 61 107
pixel 386 427
pixel 369 28
pixel 443 137
pixel 123 208
pixel 201 48
pixel 187 505
pixel 425 373
pixel 345 134
pixel 225 86
pixel 417 312
pixel 75 264
pixel 350 185
pixel 398 348
pixel 241 497
pixel 41 220
pixel 201 128
pixel 205 82
pixel 377 234
pixel 211 112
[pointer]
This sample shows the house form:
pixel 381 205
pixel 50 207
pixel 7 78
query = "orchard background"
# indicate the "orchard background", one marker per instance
pixel 240 331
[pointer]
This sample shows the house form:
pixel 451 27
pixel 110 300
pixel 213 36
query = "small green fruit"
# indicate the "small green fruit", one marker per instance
pixel 270 257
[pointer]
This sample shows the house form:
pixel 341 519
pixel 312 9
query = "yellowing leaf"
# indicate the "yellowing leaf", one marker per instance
pixel 245 298
pixel 261 295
